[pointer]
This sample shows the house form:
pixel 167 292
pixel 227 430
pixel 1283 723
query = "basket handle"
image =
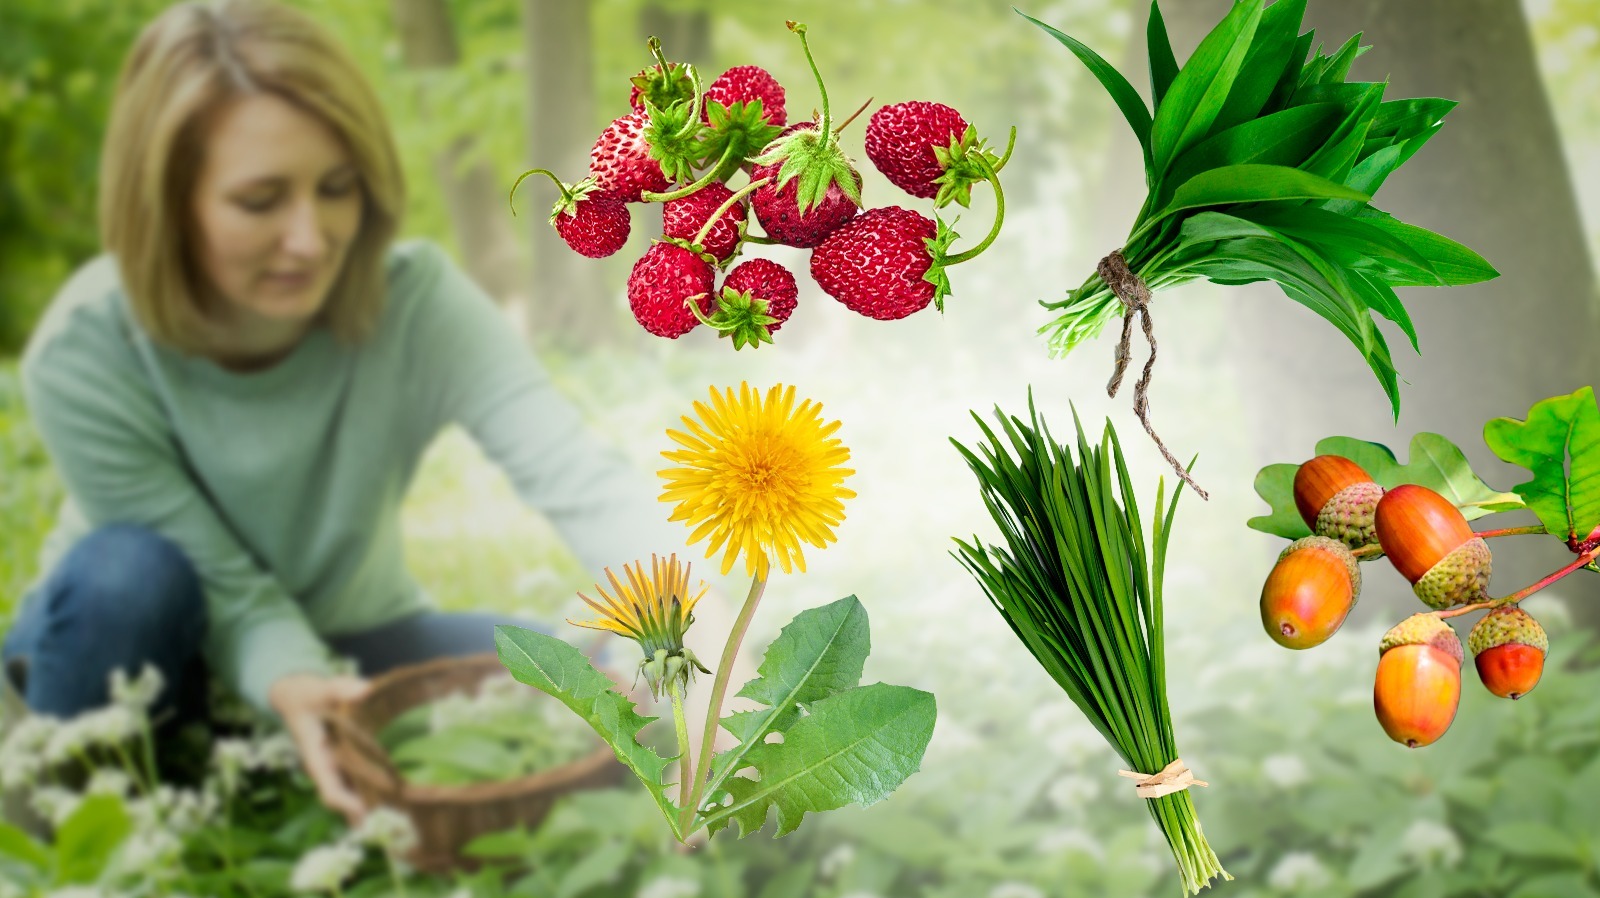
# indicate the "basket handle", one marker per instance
pixel 365 759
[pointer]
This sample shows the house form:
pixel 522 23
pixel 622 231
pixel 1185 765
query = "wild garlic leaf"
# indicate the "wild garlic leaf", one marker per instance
pixel 1255 184
pixel 1163 65
pixel 1271 55
pixel 1202 85
pixel 1122 93
pixel 559 670
pixel 1283 138
pixel 1559 442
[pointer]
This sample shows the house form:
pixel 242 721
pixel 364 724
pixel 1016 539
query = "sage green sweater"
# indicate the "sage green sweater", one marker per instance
pixel 284 486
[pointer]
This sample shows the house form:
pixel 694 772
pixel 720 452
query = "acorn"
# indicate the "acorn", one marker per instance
pixel 1309 592
pixel 1336 498
pixel 1432 546
pixel 1508 648
pixel 1418 685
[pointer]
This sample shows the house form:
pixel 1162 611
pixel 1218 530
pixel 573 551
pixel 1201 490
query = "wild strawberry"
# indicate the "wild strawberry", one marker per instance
pixel 662 284
pixel 620 162
pixel 813 187
pixel 881 264
pixel 593 223
pixel 928 150
pixel 683 218
pixel 756 298
pixel 750 84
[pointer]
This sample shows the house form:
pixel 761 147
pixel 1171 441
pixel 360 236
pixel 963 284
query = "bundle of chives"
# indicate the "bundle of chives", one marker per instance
pixel 1079 588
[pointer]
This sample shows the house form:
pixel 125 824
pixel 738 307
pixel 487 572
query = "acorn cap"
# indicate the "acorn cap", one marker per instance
pixel 1333 547
pixel 1460 577
pixel 1506 625
pixel 1351 515
pixel 1423 629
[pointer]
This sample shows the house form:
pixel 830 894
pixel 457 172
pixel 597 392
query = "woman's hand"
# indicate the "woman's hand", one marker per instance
pixel 303 700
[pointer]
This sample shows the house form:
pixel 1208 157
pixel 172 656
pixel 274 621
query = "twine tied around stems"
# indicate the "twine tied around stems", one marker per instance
pixel 1135 297
pixel 1175 777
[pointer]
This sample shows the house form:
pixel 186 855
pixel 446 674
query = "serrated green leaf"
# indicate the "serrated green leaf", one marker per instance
pixel 559 670
pixel 1436 463
pixel 819 653
pixel 1122 93
pixel 853 747
pixel 1271 55
pixel 84 843
pixel 1254 184
pixel 1201 87
pixel 1284 138
pixel 1163 64
pixel 1559 442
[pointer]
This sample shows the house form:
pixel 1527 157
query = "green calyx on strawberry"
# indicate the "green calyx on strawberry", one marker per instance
pixel 756 299
pixel 663 84
pixel 811 157
pixel 962 168
pixel 674 134
pixel 734 134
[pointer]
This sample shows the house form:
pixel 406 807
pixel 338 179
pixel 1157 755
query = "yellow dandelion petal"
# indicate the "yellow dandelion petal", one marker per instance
pixel 642 608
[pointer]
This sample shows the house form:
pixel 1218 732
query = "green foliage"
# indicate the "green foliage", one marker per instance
pixel 1277 146
pixel 1559 442
pixel 557 669
pixel 853 744
pixel 1436 463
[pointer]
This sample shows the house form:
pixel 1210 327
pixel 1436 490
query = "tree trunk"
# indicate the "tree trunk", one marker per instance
pixel 568 307
pixel 1495 178
pixel 474 196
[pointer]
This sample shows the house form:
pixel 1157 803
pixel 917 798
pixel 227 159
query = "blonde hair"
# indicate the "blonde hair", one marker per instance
pixel 188 64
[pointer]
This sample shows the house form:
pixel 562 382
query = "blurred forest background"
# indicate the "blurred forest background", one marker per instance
pixel 1017 797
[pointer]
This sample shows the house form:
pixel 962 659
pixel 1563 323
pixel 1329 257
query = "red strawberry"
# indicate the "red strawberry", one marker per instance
pixel 876 263
pixel 755 299
pixel 661 285
pixel 593 223
pixel 928 150
pixel 620 162
pixel 748 83
pixel 683 218
pixel 779 210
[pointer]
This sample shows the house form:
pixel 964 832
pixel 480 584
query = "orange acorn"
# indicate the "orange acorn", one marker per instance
pixel 1508 647
pixel 1309 592
pixel 1337 498
pixel 1418 685
pixel 1432 546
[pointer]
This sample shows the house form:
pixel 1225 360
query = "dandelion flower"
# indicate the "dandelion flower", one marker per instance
pixel 655 612
pixel 758 476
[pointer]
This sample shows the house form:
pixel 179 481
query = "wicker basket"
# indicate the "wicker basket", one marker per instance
pixel 448 817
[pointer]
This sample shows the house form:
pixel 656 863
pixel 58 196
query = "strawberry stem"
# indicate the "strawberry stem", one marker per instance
pixel 746 190
pixel 511 198
pixel 692 123
pixel 693 303
pixel 800 29
pixel 1582 561
pixel 681 192
pixel 654 43
pixel 1011 144
pixel 999 216
pixel 846 123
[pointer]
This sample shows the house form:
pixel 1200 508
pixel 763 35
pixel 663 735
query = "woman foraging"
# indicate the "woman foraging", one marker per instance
pixel 238 394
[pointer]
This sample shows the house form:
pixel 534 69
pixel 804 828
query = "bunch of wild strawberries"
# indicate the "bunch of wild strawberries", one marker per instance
pixel 681 145
pixel 1317 580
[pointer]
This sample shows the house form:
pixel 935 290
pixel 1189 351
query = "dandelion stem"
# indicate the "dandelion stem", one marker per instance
pixel 685 756
pixel 719 689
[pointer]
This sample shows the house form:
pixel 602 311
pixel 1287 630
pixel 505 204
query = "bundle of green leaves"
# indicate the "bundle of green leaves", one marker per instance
pixel 1261 165
pixel 1081 588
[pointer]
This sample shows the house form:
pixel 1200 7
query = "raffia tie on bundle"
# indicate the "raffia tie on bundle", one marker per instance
pixel 1174 777
pixel 1135 297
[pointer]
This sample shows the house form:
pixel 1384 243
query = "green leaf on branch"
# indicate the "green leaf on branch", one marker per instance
pixel 857 746
pixel 1559 442
pixel 561 671
pixel 1436 463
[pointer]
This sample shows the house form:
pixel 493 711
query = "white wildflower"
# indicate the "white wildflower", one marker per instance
pixel 30 736
pixel 67 741
pixel 276 752
pixel 1015 890
pixel 1072 792
pixel 111 725
pixel 1298 871
pixel 325 868
pixel 1285 771
pixel 836 860
pixel 231 758
pixel 18 771
pixel 109 781
pixel 388 830
pixel 152 853
pixel 55 803
pixel 1059 841
pixel 669 887
pixel 139 693
pixel 1430 844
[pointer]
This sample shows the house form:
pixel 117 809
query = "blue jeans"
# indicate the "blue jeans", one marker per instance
pixel 124 597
